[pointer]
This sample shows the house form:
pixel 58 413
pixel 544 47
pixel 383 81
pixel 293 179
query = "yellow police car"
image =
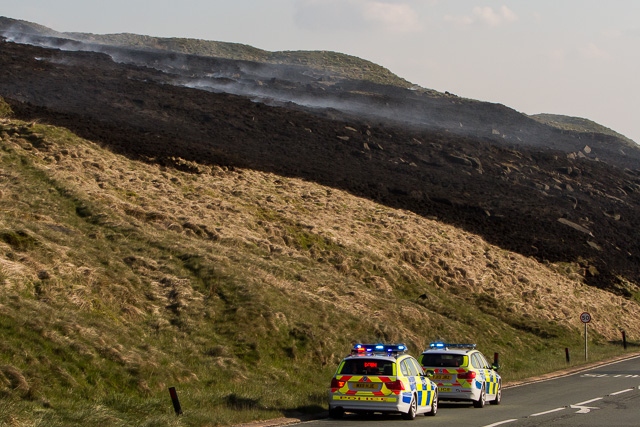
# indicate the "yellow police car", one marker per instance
pixel 381 378
pixel 462 373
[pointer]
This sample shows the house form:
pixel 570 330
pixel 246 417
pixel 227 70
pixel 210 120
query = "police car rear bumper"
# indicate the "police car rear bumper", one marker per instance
pixel 458 394
pixel 369 404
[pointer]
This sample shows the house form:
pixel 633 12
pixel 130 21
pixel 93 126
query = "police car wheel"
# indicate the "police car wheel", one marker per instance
pixel 481 400
pixel 336 413
pixel 413 409
pixel 434 407
pixel 498 398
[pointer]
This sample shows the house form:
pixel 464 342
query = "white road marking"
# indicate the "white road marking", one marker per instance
pixel 501 422
pixel 609 375
pixel 585 409
pixel 621 391
pixel 547 412
pixel 587 401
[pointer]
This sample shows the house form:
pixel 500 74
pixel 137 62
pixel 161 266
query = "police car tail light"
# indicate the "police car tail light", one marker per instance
pixel 396 385
pixel 469 375
pixel 335 383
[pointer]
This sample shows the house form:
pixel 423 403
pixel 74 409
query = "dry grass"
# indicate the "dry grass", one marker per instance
pixel 121 275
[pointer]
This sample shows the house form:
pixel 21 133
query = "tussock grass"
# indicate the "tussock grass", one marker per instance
pixel 243 290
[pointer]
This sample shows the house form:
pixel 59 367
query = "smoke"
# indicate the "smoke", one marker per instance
pixel 314 90
pixel 274 85
pixel 260 83
pixel 45 42
pixel 266 95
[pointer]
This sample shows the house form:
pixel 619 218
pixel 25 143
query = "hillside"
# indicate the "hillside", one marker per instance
pixel 230 227
pixel 122 278
pixel 581 126
pixel 337 64
pixel 518 197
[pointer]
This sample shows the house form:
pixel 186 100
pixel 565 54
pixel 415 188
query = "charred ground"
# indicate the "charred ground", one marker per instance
pixel 527 187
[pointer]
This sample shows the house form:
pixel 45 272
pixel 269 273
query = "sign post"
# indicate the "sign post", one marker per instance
pixel 585 318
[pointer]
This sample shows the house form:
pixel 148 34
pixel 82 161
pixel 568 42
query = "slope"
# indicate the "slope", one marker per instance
pixel 325 62
pixel 524 199
pixel 241 288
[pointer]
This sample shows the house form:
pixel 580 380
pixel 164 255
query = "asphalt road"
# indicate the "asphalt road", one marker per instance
pixel 608 395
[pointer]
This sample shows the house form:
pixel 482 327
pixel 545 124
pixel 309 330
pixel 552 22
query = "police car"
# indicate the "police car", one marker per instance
pixel 462 373
pixel 381 378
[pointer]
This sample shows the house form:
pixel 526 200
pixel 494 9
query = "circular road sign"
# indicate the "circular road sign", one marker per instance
pixel 585 317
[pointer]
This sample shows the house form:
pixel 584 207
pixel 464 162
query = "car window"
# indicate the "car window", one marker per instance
pixel 413 371
pixel 366 366
pixel 475 362
pixel 481 361
pixel 484 360
pixel 442 360
pixel 416 366
pixel 404 369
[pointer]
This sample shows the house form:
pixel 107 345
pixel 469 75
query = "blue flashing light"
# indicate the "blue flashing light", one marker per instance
pixel 389 349
pixel 438 345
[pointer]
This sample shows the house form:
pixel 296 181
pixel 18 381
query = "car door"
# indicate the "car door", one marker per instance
pixel 490 376
pixel 478 367
pixel 424 386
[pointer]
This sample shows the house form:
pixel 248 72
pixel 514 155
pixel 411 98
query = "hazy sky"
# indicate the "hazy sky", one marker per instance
pixel 573 57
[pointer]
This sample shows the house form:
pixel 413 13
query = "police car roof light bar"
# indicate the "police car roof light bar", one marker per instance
pixel 389 349
pixel 441 345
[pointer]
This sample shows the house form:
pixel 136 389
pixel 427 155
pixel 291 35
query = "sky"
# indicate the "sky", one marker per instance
pixel 577 58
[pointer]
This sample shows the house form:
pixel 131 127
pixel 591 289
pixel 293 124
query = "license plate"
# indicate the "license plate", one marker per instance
pixel 367 398
pixel 442 377
pixel 445 389
pixel 366 386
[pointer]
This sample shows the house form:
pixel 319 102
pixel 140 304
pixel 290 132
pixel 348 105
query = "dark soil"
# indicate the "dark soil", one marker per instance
pixel 511 193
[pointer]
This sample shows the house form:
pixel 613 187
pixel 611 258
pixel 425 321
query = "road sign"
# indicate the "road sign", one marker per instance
pixel 585 318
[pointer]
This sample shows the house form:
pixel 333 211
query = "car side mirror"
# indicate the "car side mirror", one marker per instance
pixel 495 366
pixel 430 373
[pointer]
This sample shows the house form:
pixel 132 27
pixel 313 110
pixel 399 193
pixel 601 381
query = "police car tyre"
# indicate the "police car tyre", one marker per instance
pixel 481 400
pixel 498 398
pixel 434 407
pixel 413 409
pixel 336 413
